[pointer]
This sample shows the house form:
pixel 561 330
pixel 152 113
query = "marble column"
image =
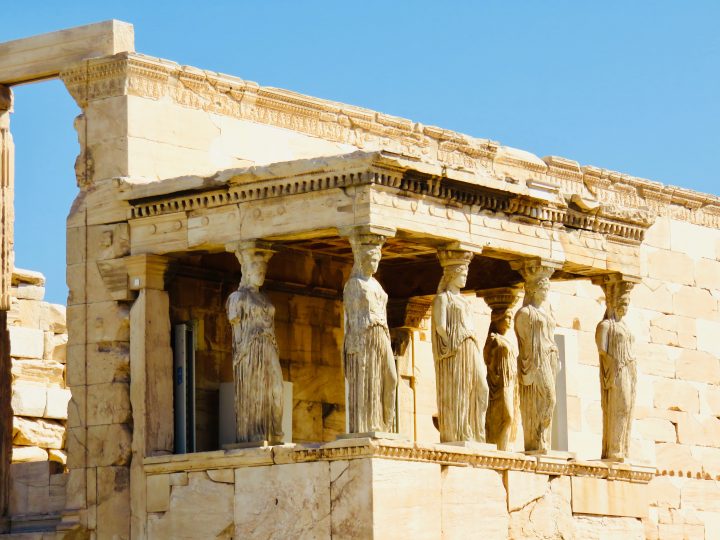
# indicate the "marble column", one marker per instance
pixel 618 368
pixel 257 374
pixel 538 362
pixel 368 359
pixel 460 373
pixel 500 354
pixel 151 374
pixel 6 266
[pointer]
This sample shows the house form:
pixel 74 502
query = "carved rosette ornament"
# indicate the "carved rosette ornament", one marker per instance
pixel 256 363
pixel 368 359
pixel 500 355
pixel 538 362
pixel 618 368
pixel 460 375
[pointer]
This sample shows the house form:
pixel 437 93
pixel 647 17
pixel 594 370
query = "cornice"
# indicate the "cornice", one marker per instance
pixel 374 169
pixel 400 451
pixel 138 75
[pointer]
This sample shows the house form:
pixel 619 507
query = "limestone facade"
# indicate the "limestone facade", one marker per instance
pixel 38 348
pixel 39 399
pixel 147 239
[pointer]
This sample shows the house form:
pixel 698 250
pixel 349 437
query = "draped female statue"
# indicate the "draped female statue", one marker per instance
pixel 462 391
pixel 537 359
pixel 618 371
pixel 501 359
pixel 256 364
pixel 368 359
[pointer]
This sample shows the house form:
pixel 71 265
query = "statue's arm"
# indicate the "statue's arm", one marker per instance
pixel 232 307
pixel 522 330
pixel 601 338
pixel 526 367
pixel 439 322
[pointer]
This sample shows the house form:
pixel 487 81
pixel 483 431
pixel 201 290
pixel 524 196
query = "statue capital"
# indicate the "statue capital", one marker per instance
pixel 535 270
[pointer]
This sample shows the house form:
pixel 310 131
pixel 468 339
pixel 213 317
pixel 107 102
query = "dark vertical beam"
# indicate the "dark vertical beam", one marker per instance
pixel 6 268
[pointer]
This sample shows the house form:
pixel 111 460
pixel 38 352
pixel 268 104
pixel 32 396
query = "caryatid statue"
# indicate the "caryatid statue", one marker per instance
pixel 538 361
pixel 618 369
pixel 256 363
pixel 500 355
pixel 460 375
pixel 368 358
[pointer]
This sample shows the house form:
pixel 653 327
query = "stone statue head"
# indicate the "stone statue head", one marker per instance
pixel 500 320
pixel 455 264
pixel 253 261
pixel 537 283
pixel 617 298
pixel 536 291
pixel 367 251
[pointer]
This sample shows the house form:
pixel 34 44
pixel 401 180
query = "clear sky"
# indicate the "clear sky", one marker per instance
pixel 632 86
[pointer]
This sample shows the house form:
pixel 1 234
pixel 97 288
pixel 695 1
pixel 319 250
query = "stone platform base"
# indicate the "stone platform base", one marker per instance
pixel 376 488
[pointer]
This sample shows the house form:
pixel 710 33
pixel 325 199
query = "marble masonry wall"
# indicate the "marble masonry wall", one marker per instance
pixel 38 338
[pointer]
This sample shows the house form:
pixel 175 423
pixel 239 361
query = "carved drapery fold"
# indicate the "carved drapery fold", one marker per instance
pixel 618 367
pixel 460 374
pixel 538 361
pixel 368 359
pixel 256 362
pixel 500 355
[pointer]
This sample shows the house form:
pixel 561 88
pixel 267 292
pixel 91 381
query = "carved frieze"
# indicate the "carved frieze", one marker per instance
pixel 627 225
pixel 132 74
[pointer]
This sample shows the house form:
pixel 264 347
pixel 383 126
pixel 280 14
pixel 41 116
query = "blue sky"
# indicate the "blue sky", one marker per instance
pixel 630 86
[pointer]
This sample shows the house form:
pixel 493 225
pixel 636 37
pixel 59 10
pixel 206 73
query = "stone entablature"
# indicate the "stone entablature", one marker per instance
pixel 133 74
pixel 386 192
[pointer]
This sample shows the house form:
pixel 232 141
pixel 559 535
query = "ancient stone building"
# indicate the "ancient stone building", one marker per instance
pixel 180 169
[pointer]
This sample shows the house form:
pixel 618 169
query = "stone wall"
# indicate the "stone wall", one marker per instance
pixel 38 338
pixel 345 490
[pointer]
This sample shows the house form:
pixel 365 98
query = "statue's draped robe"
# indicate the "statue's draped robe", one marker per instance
pixel 460 374
pixel 368 359
pixel 618 378
pixel 537 370
pixel 256 366
pixel 501 361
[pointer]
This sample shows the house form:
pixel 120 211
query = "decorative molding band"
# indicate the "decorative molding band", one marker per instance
pixel 138 75
pixel 620 225
pixel 395 450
